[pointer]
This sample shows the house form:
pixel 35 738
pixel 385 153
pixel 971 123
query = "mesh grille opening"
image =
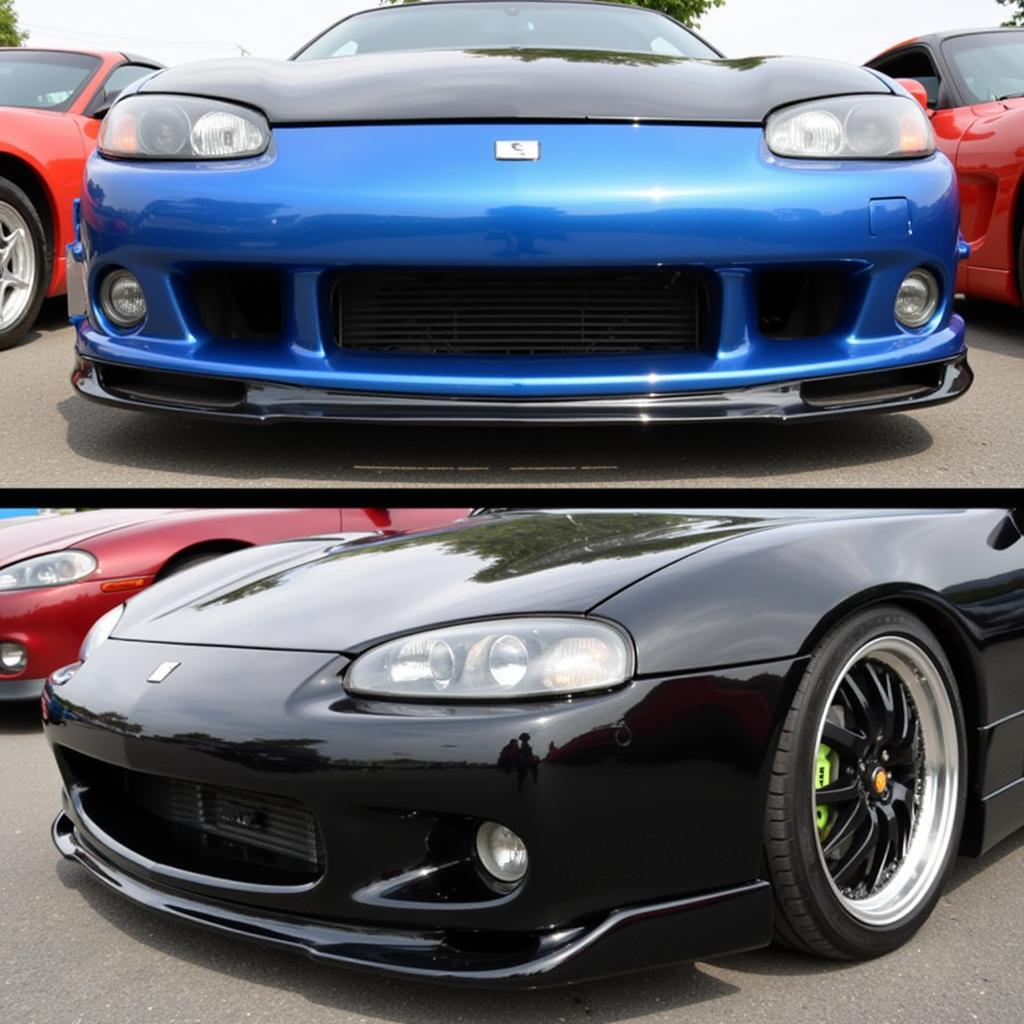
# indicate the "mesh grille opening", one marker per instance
pixel 519 312
pixel 211 830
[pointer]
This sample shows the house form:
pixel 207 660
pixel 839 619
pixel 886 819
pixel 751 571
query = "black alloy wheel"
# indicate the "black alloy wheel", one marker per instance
pixel 868 790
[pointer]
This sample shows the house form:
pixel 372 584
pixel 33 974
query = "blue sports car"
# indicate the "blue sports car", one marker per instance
pixel 547 211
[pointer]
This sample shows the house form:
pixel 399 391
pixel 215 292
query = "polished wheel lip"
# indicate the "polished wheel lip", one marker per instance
pixel 18 270
pixel 913 880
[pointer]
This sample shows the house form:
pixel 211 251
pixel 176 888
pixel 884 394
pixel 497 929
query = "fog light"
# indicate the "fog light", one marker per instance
pixel 122 299
pixel 502 852
pixel 918 298
pixel 13 658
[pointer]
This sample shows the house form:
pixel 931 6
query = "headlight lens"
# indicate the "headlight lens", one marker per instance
pixel 503 658
pixel 851 128
pixel 47 571
pixel 100 632
pixel 182 128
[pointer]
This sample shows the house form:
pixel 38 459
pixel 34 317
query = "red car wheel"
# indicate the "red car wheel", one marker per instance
pixel 24 264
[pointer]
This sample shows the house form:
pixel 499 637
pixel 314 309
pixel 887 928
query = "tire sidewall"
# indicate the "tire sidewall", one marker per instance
pixel 831 917
pixel 13 195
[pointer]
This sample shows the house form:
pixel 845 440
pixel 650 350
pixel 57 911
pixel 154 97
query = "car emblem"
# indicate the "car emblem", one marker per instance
pixel 517 150
pixel 164 671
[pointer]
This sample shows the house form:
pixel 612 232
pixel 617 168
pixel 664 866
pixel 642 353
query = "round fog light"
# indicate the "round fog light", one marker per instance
pixel 502 852
pixel 13 658
pixel 122 299
pixel 918 298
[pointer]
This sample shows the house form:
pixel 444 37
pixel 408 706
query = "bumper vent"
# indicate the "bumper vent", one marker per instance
pixel 274 824
pixel 519 312
pixel 209 830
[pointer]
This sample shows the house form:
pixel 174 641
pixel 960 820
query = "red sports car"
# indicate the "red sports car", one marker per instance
pixel 51 106
pixel 59 574
pixel 972 82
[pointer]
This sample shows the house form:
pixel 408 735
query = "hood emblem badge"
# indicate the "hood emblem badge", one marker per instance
pixel 517 151
pixel 164 671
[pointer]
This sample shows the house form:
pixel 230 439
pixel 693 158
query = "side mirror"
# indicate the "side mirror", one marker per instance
pixel 917 90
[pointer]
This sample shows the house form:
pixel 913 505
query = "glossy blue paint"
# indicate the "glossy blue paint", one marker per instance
pixel 708 198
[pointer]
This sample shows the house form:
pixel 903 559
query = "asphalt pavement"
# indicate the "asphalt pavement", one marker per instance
pixel 73 952
pixel 53 438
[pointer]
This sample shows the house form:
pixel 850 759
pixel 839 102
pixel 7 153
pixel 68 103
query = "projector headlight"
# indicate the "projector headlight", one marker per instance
pixel 851 128
pixel 159 127
pixel 504 658
pixel 47 571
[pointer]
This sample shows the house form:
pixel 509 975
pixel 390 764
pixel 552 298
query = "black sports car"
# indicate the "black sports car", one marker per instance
pixel 538 747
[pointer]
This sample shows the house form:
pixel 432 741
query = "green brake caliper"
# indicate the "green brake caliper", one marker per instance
pixel 822 777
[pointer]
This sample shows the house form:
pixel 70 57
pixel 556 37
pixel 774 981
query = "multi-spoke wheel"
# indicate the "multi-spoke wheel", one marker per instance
pixel 867 794
pixel 24 268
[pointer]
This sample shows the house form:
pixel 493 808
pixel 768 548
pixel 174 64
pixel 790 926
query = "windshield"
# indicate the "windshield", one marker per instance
pixel 991 64
pixel 43 81
pixel 497 26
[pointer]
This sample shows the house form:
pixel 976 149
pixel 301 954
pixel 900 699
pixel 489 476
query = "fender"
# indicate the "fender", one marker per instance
pixel 770 594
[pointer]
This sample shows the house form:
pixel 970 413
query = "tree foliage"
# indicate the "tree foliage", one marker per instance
pixel 10 34
pixel 1016 12
pixel 689 12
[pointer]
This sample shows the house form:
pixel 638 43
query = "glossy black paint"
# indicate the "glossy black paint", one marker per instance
pixel 788 402
pixel 642 807
pixel 488 85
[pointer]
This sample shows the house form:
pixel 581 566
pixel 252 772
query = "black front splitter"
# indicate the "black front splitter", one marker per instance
pixel 629 939
pixel 901 389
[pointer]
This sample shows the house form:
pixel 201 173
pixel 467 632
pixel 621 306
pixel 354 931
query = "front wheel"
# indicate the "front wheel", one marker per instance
pixel 24 267
pixel 868 789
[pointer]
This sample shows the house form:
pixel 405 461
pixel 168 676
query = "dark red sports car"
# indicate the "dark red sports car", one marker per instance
pixel 51 106
pixel 973 85
pixel 59 574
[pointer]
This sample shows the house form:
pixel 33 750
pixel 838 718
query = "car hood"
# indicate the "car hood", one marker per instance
pixel 25 538
pixel 319 595
pixel 509 85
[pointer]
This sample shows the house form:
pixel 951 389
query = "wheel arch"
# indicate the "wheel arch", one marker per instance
pixel 219 546
pixel 29 179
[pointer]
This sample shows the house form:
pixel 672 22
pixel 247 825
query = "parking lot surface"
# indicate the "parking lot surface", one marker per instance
pixel 75 953
pixel 54 438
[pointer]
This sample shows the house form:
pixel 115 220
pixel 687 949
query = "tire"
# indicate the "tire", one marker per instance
pixel 24 258
pixel 880 671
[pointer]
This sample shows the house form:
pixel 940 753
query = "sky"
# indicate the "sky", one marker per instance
pixel 183 30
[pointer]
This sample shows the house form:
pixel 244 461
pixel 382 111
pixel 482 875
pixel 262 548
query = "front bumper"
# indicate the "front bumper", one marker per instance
pixel 262 402
pixel 702 202
pixel 634 938
pixel 621 876
pixel 21 689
